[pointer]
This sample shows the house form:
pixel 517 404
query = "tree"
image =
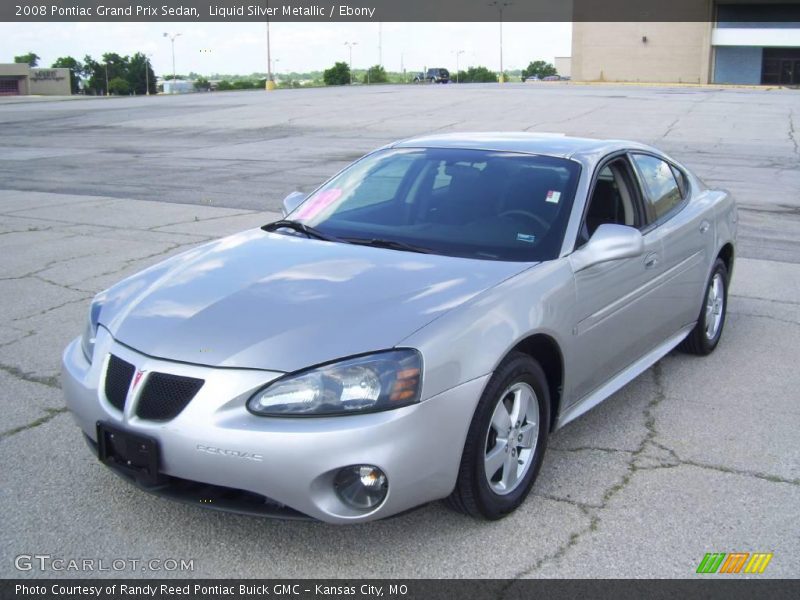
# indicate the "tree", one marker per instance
pixel 539 68
pixel 477 75
pixel 224 85
pixel 75 71
pixel 201 84
pixel 31 58
pixel 115 65
pixel 118 86
pixel 338 74
pixel 94 73
pixel 376 74
pixel 138 73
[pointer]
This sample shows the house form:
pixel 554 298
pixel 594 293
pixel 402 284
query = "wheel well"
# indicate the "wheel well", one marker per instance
pixel 726 254
pixel 546 352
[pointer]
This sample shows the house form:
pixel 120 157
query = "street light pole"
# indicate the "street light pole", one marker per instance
pixel 270 84
pixel 147 73
pixel 172 38
pixel 350 47
pixel 500 6
pixel 458 53
pixel 106 77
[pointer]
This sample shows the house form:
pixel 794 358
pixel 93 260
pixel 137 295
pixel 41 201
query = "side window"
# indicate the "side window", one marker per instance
pixel 660 186
pixel 681 179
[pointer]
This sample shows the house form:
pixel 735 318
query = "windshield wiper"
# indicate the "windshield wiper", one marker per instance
pixel 390 244
pixel 300 227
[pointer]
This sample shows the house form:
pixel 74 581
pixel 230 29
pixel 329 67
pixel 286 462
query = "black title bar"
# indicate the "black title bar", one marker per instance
pixel 396 10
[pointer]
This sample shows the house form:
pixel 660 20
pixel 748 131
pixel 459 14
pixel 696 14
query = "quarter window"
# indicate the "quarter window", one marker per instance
pixel 660 187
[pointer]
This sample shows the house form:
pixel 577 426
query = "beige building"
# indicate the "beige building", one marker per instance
pixel 741 43
pixel 22 80
pixel 563 65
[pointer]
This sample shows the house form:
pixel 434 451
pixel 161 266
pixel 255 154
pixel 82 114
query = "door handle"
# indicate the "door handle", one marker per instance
pixel 651 260
pixel 704 226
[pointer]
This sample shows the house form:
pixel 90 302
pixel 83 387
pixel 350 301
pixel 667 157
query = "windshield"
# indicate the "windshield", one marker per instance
pixel 470 203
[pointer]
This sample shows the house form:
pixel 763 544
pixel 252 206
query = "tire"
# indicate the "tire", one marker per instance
pixel 493 497
pixel 707 332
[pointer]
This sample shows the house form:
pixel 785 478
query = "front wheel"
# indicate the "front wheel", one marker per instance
pixel 706 333
pixel 506 441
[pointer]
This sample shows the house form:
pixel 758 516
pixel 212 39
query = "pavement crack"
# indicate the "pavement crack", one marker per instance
pixel 793 134
pixel 670 127
pixel 49 264
pixel 61 285
pixel 158 228
pixel 769 317
pixel 584 506
pixel 52 308
pixel 25 334
pixel 773 300
pixel 591 449
pixel 50 414
pixel 51 381
pixel 632 468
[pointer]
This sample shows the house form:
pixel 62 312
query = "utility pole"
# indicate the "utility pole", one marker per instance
pixel 380 44
pixel 458 53
pixel 350 47
pixel 106 77
pixel 147 73
pixel 500 6
pixel 172 37
pixel 270 84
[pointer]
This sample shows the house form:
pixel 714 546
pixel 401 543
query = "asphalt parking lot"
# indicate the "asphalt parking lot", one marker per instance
pixel 695 456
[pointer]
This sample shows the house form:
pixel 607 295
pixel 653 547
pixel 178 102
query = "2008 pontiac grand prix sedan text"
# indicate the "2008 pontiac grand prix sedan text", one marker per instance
pixel 413 330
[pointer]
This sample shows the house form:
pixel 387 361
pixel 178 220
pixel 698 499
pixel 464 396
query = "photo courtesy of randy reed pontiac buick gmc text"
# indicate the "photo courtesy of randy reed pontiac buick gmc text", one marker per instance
pixel 197 589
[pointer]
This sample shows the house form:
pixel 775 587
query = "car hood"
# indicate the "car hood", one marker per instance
pixel 280 302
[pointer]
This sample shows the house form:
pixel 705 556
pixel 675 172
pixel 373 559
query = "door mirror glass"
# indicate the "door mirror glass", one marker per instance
pixel 609 242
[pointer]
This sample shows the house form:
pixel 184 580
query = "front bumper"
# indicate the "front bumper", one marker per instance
pixel 418 447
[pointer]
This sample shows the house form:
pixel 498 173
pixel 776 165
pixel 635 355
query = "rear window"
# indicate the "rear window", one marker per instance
pixel 660 186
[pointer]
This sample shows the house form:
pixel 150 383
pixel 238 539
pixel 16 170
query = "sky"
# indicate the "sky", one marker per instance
pixel 240 48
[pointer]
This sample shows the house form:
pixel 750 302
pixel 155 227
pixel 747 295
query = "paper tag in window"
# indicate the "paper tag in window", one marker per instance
pixel 315 205
pixel 553 196
pixel 526 237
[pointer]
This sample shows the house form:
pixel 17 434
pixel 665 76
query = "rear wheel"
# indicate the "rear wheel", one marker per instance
pixel 506 441
pixel 706 333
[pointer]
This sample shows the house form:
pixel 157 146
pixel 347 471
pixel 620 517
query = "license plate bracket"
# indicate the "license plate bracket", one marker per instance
pixel 131 453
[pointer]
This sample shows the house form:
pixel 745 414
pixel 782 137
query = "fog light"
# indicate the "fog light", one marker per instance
pixel 361 486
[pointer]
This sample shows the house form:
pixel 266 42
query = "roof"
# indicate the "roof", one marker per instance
pixel 545 144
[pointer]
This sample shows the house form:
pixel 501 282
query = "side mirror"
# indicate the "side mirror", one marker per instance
pixel 609 242
pixel 292 201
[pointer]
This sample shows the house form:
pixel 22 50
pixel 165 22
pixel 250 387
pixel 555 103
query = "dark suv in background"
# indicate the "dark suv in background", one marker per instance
pixel 435 75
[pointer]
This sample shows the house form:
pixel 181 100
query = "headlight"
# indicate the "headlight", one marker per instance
pixel 369 383
pixel 90 330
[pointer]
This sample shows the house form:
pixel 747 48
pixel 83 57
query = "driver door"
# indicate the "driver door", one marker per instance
pixel 614 320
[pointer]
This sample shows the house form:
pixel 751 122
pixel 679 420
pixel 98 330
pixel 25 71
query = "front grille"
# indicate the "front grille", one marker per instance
pixel 118 380
pixel 164 396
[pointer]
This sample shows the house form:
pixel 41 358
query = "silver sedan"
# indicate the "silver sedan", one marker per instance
pixel 412 330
